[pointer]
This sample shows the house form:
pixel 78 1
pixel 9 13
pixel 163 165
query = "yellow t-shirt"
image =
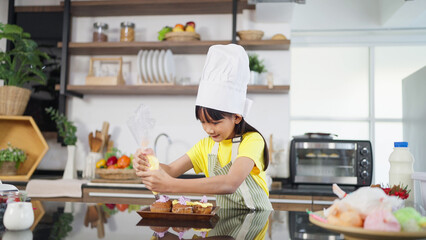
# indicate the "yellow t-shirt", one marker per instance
pixel 252 147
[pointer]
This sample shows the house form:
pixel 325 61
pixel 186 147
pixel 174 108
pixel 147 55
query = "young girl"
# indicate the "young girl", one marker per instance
pixel 234 156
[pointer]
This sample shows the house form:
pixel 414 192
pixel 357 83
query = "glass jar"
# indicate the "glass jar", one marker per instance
pixel 100 32
pixel 127 33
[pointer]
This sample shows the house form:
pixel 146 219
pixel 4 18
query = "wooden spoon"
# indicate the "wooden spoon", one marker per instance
pixel 96 144
pixel 105 127
pixel 90 141
pixel 92 213
pixel 100 223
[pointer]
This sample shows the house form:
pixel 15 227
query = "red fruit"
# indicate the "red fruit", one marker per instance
pixel 190 24
pixel 122 207
pixel 111 161
pixel 110 205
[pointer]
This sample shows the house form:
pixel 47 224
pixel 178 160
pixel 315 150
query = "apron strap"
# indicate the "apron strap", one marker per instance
pixel 245 191
pixel 215 149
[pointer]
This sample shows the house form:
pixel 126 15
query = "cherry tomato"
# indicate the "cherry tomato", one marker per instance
pixel 112 166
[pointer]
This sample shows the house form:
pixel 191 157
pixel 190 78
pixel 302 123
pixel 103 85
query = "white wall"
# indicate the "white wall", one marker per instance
pixel 174 115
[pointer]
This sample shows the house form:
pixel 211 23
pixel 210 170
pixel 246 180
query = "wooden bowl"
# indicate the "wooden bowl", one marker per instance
pixel 250 34
pixel 116 174
pixel 182 36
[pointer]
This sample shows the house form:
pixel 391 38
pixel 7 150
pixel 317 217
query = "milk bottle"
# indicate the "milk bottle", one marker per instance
pixel 401 167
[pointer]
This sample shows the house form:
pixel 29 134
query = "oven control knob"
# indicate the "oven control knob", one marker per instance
pixel 364 174
pixel 364 151
pixel 364 163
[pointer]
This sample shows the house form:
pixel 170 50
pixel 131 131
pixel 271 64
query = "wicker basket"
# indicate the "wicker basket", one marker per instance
pixel 116 174
pixel 182 36
pixel 8 169
pixel 13 100
pixel 250 35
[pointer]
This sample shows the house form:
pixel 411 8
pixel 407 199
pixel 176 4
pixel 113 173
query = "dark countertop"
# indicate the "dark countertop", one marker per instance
pixel 127 224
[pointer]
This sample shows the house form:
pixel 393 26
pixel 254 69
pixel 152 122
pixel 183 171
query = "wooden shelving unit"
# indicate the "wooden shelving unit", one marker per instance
pixel 163 90
pixel 154 7
pixel 187 47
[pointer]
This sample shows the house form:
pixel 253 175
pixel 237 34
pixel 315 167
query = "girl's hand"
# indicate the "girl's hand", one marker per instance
pixel 156 180
pixel 140 160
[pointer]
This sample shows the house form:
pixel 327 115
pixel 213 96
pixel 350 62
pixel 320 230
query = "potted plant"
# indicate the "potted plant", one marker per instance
pixel 10 159
pixel 21 65
pixel 67 131
pixel 256 69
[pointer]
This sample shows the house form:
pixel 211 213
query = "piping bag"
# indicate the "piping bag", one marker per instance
pixel 140 124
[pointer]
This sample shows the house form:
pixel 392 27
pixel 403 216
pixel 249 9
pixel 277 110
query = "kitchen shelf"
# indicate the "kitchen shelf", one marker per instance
pixel 163 90
pixel 184 47
pixel 154 7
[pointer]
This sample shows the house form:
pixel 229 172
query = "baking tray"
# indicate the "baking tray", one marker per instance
pixel 161 222
pixel 147 214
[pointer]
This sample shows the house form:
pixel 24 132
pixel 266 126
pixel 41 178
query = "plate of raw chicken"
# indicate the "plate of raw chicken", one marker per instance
pixel 369 213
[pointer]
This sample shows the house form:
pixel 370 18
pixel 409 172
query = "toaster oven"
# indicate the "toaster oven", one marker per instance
pixel 328 161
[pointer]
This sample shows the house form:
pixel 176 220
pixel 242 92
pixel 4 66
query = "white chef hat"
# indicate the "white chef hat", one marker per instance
pixel 223 84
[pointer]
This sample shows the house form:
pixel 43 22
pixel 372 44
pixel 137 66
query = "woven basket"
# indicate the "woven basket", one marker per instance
pixel 116 174
pixel 182 36
pixel 250 35
pixel 8 169
pixel 13 100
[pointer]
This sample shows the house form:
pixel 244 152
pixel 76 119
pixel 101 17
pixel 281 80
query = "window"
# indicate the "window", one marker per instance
pixel 354 92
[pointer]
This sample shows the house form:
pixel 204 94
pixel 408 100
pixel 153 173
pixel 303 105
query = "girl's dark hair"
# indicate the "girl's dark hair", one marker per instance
pixel 240 128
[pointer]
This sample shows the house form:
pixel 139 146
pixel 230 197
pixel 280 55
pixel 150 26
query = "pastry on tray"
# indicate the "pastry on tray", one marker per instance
pixel 164 204
pixel 183 205
pixel 202 207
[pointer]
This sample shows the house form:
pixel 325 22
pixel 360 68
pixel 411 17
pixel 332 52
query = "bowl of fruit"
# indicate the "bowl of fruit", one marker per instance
pixel 250 34
pixel 115 166
pixel 179 32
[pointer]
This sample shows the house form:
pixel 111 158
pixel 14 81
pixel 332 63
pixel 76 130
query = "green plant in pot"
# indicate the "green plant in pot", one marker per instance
pixel 10 159
pixel 19 66
pixel 256 68
pixel 67 131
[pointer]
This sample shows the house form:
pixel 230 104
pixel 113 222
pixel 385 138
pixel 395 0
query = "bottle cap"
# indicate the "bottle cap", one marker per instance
pixel 400 144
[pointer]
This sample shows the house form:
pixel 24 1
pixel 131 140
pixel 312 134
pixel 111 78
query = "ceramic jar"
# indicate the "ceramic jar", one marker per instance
pixel 18 216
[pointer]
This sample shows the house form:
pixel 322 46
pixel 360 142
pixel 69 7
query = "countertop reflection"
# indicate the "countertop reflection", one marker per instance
pixel 121 221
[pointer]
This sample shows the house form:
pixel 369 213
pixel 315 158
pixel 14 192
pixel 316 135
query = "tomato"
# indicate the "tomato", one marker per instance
pixel 123 161
pixel 122 207
pixel 112 166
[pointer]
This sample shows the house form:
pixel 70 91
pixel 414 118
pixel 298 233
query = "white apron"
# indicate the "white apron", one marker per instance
pixel 249 195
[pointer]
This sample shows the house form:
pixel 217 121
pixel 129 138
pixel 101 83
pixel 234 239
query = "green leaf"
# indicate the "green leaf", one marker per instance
pixel 23 63
pixel 10 28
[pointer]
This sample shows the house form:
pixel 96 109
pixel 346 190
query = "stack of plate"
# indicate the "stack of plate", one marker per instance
pixel 156 66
